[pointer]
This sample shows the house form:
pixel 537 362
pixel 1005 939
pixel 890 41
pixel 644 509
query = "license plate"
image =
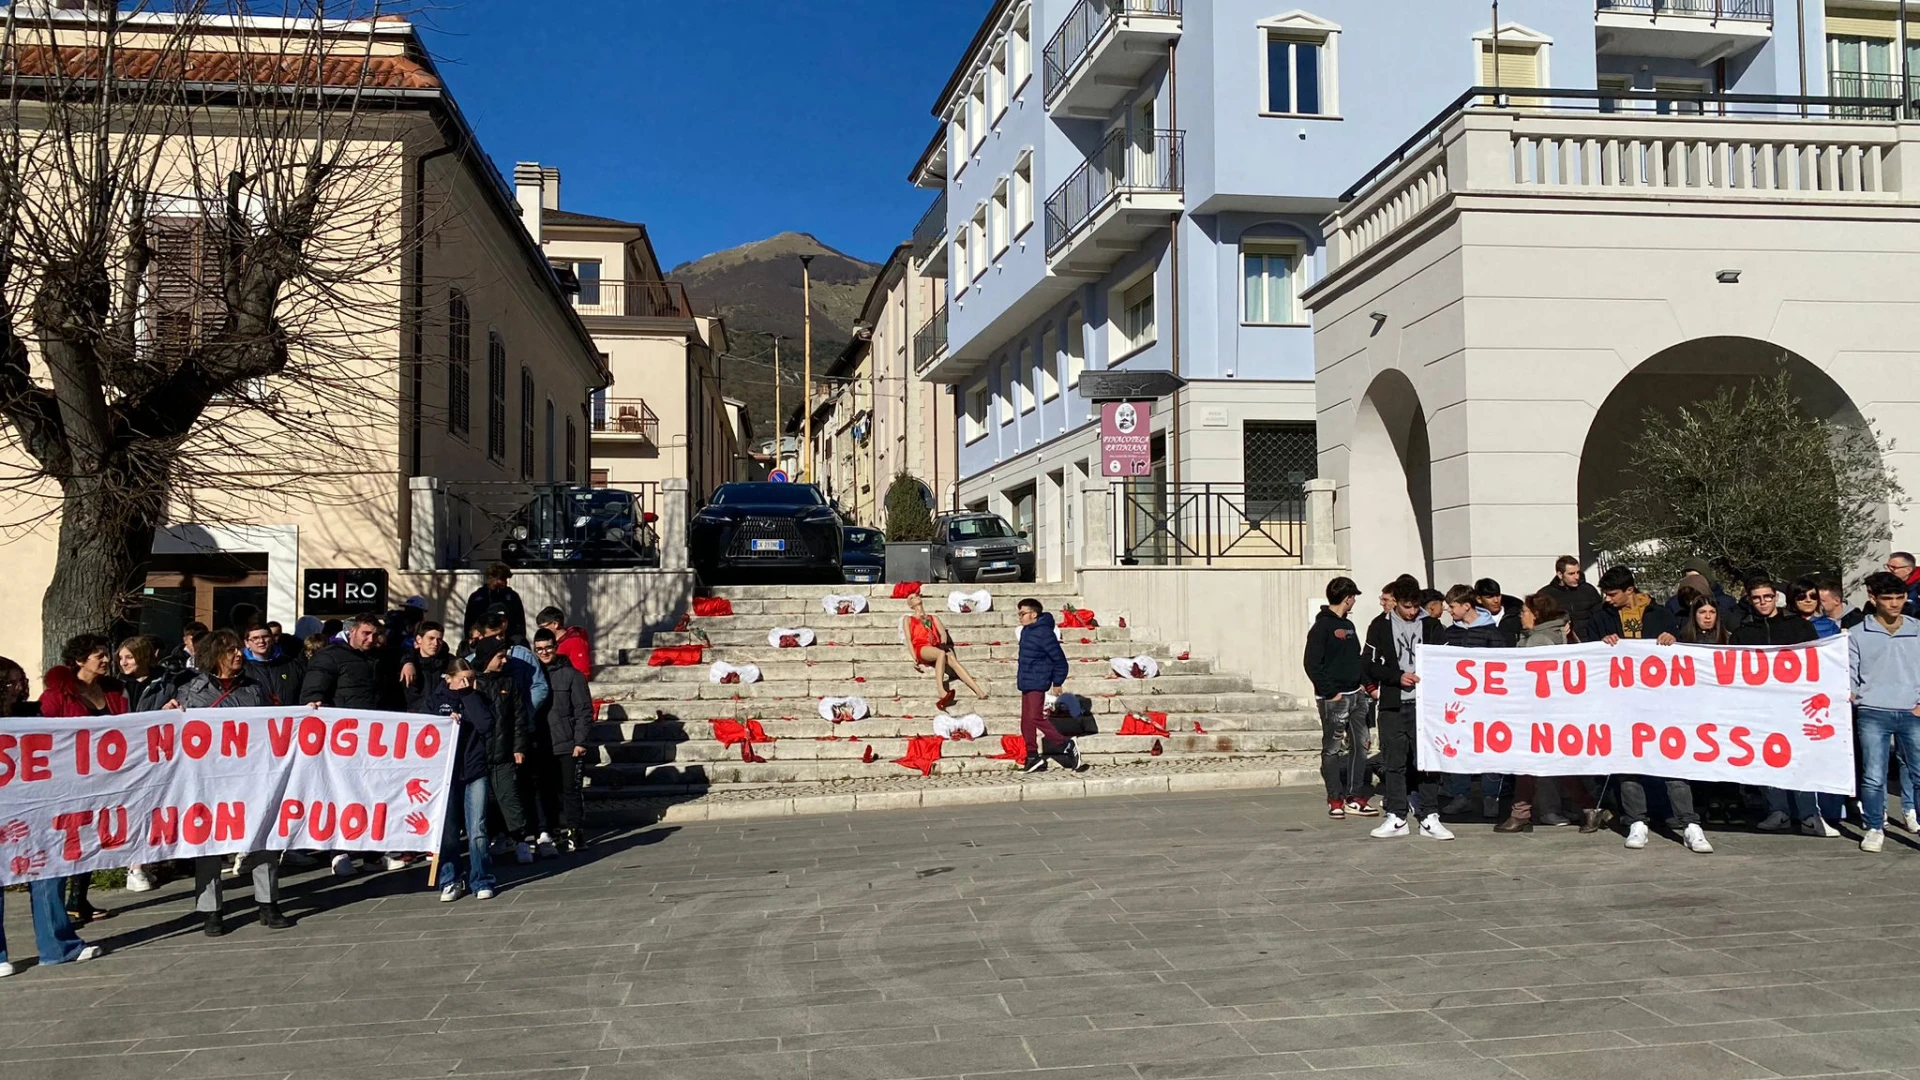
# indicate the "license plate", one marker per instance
pixel 769 545
pixel 1000 566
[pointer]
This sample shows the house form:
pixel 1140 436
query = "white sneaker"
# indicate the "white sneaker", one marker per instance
pixel 1818 826
pixel 139 880
pixel 522 854
pixel 483 894
pixel 1637 836
pixel 452 891
pixel 1913 821
pixel 1696 840
pixel 1874 840
pixel 343 866
pixel 544 847
pixel 91 952
pixel 1490 807
pixel 6 969
pixel 1395 825
pixel 1778 821
pixel 1430 826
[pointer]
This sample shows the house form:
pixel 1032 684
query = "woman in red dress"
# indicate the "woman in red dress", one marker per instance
pixel 929 645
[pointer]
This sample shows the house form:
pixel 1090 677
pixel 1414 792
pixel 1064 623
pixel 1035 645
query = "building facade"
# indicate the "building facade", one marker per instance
pixel 1525 284
pixel 663 416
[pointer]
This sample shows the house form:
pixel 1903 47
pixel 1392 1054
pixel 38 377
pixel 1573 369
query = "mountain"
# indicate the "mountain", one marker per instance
pixel 756 287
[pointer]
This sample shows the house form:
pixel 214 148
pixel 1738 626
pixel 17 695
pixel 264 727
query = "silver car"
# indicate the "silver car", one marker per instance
pixel 979 547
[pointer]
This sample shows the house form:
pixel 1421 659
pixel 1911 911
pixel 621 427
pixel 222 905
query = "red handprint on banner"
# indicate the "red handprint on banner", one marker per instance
pixel 1816 708
pixel 23 865
pixel 417 824
pixel 13 831
pixel 417 791
pixel 1817 732
pixel 1454 710
pixel 1447 747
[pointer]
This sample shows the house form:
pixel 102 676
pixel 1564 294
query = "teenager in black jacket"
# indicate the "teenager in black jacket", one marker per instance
pixel 566 729
pixel 1394 639
pixel 1339 677
pixel 509 742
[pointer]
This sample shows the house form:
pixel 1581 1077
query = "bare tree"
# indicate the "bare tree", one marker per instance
pixel 200 235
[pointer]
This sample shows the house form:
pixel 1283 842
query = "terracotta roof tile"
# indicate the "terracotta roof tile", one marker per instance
pixel 76 62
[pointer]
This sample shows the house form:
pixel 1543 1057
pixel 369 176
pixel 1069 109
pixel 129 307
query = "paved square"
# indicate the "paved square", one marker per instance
pixel 1101 939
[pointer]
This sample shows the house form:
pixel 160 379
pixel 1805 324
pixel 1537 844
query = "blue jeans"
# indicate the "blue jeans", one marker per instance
pixel 1459 784
pixel 1874 728
pixel 52 930
pixel 1801 805
pixel 469 809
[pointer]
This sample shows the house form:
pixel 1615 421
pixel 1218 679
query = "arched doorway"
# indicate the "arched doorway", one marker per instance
pixel 1684 375
pixel 1390 485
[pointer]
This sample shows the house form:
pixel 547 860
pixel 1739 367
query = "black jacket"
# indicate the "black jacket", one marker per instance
pixel 1382 660
pixel 1509 617
pixel 477 724
pixel 1579 602
pixel 509 735
pixel 1332 657
pixel 1782 629
pixel 281 675
pixel 1606 623
pixel 1483 636
pixel 429 674
pixel 568 713
pixel 485 600
pixel 163 686
pixel 342 677
pixel 203 691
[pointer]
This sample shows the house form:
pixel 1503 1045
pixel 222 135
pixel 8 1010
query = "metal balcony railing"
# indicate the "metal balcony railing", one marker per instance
pixel 643 299
pixel 931 341
pixel 1086 26
pixel 1866 84
pixel 1743 10
pixel 1121 164
pixel 932 229
pixel 625 416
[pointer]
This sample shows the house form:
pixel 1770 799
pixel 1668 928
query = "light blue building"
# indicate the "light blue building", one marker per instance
pixel 1141 185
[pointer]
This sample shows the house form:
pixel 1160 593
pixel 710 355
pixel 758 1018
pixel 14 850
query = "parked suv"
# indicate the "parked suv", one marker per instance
pixel 565 525
pixel 979 547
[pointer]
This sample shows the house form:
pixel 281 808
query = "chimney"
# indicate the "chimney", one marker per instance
pixel 529 191
pixel 550 192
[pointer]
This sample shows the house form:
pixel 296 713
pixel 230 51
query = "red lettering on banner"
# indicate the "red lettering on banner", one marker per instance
pixel 196 738
pixel 1619 671
pixel 82 752
pixel 197 826
pixel 376 748
pixel 353 822
pixel 290 812
pixel 1573 674
pixel 1541 669
pixel 160 743
pixel 1738 737
pixel 1682 674
pixel 1776 751
pixel 7 744
pixel 1479 737
pixel 165 826
pixel 1599 740
pixel 1725 661
pixel 1673 743
pixel 110 837
pixel 1653 673
pixel 1786 666
pixel 1542 739
pixel 400 741
pixel 1499 737
pixel 1753 668
pixel 427 743
pixel 280 735
pixel 346 737
pixel 234 736
pixel 1464 669
pixel 230 821
pixel 1813 663
pixel 1570 740
pixel 1492 678
pixel 35 748
pixel 379 821
pixel 313 736
pixel 321 819
pixel 1642 735
pixel 1705 734
pixel 71 824
pixel 112 749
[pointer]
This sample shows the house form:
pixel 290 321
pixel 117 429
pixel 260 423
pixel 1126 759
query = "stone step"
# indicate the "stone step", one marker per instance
pixel 787 748
pixel 828 634
pixel 684 729
pixel 810 608
pixel 823 623
pixel 1050 593
pixel 894 669
pixel 761 653
pixel 952 762
pixel 805 691
pixel 1178 707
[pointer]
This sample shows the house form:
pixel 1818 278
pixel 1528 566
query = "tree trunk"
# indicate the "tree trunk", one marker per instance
pixel 106 540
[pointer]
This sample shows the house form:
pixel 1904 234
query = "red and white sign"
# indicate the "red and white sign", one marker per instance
pixel 87 793
pixel 1776 717
pixel 1126 439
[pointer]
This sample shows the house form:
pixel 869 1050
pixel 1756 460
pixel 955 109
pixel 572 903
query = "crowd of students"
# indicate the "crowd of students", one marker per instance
pixel 523 705
pixel 1368 696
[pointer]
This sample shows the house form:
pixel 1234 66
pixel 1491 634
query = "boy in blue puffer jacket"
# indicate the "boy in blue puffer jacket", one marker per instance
pixel 1042 670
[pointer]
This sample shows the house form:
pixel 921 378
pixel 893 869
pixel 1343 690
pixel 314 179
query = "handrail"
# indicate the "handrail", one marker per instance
pixel 625 416
pixel 1743 10
pixel 932 226
pixel 1084 27
pixel 643 299
pixel 1120 164
pixel 930 340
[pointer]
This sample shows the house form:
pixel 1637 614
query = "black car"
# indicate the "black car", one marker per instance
pixel 567 525
pixel 863 555
pixel 781 531
pixel 979 547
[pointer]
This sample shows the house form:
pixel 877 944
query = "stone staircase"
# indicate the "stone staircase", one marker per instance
pixel 655 739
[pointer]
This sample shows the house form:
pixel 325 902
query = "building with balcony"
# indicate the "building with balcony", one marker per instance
pixel 1509 293
pixel 663 415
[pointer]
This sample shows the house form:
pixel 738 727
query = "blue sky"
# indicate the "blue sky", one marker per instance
pixel 716 122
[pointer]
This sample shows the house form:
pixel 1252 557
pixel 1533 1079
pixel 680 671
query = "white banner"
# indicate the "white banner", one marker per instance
pixel 1776 717
pixel 83 794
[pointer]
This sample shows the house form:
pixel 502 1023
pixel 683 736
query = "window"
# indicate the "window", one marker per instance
pixel 597 478
pixel 1136 316
pixel 958 153
pixel 976 415
pixel 1020 52
pixel 1523 60
pixel 599 400
pixel 1278 460
pixel 573 439
pixel 1076 341
pixel 1049 365
pixel 980 256
pixel 1862 66
pixel 1302 71
pixel 961 247
pixel 997 86
pixel 1023 193
pixel 183 285
pixel 1003 389
pixel 977 113
pixel 588 273
pixel 1024 371
pixel 526 422
pixel 496 396
pixel 997 217
pixel 553 433
pixel 1270 277
pixel 459 364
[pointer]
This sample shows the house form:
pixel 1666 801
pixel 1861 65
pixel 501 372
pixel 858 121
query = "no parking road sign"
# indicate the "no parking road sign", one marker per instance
pixel 778 476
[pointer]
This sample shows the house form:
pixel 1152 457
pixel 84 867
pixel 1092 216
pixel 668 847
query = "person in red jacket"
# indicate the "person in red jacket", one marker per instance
pixel 571 642
pixel 80 686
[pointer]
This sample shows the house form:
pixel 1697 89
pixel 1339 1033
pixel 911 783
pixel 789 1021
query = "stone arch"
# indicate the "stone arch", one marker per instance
pixel 1684 374
pixel 1390 484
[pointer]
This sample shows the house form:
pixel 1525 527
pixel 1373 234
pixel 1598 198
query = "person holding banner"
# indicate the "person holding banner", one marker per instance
pixel 52 929
pixel 1394 639
pixel 1474 627
pixel 1703 627
pixel 1885 653
pixel 1543 622
pixel 80 686
pixel 460 697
